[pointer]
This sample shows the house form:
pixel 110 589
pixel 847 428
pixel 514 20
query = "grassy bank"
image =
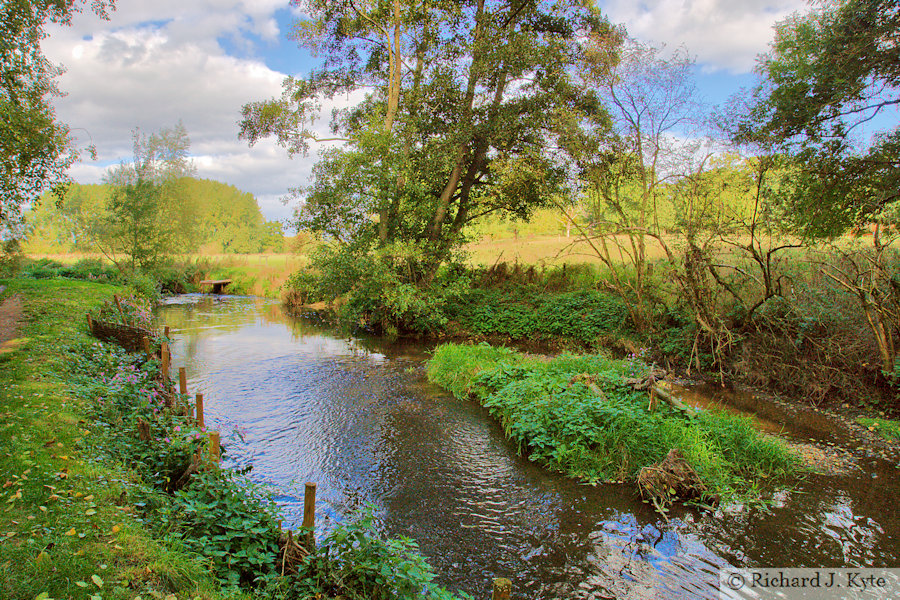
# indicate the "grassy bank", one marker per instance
pixel 580 415
pixel 66 530
pixel 101 497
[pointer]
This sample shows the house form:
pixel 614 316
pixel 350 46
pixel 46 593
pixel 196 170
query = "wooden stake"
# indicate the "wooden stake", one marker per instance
pixel 166 332
pixel 502 589
pixel 309 515
pixel 182 380
pixel 164 358
pixel 121 312
pixel 145 341
pixel 309 505
pixel 215 453
pixel 200 410
pixel 90 324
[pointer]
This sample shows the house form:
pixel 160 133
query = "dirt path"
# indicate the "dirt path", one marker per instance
pixel 10 316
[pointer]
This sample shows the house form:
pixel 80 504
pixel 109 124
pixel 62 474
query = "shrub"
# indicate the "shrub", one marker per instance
pixel 355 563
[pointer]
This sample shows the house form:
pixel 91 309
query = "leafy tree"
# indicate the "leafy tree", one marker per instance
pixel 465 105
pixel 143 218
pixel 35 149
pixel 831 79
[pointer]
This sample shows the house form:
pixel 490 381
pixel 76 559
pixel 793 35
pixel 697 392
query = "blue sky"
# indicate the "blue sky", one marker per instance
pixel 199 61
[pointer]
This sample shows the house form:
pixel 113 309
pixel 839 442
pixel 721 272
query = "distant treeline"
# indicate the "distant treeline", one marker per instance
pixel 207 216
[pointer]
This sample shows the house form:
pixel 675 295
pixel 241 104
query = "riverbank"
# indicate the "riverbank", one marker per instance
pixel 108 491
pixel 67 531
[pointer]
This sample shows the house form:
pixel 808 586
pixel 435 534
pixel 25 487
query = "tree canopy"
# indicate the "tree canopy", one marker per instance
pixel 465 105
pixel 829 86
pixel 35 149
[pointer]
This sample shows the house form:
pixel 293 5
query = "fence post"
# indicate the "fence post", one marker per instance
pixel 145 341
pixel 502 589
pixel 309 514
pixel 200 410
pixel 182 380
pixel 121 312
pixel 164 358
pixel 215 453
pixel 90 324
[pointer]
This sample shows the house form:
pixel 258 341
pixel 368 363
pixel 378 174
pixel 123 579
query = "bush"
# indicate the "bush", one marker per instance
pixel 355 563
pixel 529 313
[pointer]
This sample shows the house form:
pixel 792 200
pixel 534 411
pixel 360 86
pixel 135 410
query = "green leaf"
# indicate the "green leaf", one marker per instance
pixel 97 581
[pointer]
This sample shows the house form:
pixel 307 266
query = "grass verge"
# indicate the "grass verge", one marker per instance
pixel 579 415
pixel 65 530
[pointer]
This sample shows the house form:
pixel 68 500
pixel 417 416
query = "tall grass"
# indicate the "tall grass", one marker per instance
pixel 579 415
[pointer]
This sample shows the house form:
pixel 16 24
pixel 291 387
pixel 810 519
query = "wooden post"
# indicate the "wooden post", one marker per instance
pixel 90 324
pixel 200 410
pixel 121 312
pixel 145 341
pixel 182 380
pixel 164 358
pixel 214 449
pixel 309 514
pixel 502 589
pixel 166 332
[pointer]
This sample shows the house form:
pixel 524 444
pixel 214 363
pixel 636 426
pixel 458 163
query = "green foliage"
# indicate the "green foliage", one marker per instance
pixel 217 514
pixel 530 313
pixel 355 563
pixel 223 517
pixel 577 414
pixel 89 269
pixel 434 146
pixel 831 72
pixel 195 214
pixel 35 149
pixel 383 289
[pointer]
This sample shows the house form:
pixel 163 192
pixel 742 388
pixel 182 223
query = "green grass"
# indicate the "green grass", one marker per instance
pixel 886 428
pixel 64 528
pixel 578 415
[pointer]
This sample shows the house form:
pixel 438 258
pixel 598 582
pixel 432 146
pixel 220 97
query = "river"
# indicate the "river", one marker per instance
pixel 300 402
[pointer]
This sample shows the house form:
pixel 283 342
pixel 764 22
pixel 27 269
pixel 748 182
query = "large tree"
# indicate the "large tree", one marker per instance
pixel 465 105
pixel 829 97
pixel 35 149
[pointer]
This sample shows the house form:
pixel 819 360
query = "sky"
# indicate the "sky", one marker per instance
pixel 199 61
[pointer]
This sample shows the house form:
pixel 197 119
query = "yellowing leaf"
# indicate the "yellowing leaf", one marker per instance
pixel 71 531
pixel 97 581
pixel 81 584
pixel 90 512
pixel 116 528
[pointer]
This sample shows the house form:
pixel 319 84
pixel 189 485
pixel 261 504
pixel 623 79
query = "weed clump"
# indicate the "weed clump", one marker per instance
pixel 582 416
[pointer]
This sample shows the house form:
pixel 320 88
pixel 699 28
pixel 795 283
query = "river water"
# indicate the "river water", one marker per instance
pixel 300 403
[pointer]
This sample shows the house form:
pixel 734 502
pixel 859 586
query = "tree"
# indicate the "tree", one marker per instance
pixel 830 76
pixel 35 149
pixel 465 106
pixel 623 166
pixel 143 217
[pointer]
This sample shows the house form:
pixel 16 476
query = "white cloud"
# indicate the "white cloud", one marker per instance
pixel 131 72
pixel 722 34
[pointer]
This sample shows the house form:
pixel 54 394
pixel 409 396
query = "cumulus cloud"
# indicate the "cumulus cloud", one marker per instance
pixel 722 34
pixel 154 64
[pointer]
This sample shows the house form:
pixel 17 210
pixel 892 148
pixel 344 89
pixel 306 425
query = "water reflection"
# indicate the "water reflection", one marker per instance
pixel 358 417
